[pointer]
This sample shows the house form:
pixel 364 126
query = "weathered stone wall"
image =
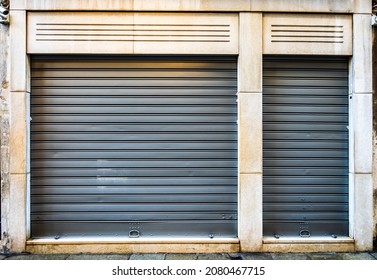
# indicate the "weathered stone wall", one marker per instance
pixel 375 125
pixel 4 131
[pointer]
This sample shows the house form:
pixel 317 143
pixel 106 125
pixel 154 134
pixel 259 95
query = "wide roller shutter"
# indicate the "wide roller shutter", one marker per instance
pixel 305 146
pixel 134 146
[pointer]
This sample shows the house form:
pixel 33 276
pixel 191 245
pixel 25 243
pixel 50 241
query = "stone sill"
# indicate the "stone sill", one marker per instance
pixel 308 240
pixel 78 241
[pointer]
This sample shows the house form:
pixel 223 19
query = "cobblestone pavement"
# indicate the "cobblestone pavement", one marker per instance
pixel 230 256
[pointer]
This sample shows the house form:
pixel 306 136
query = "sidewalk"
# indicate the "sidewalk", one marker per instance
pixel 230 256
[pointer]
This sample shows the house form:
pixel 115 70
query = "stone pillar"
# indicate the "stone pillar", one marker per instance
pixel 18 133
pixel 361 134
pixel 374 79
pixel 4 135
pixel 250 132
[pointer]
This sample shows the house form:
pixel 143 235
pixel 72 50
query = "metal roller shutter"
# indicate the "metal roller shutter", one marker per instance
pixel 305 146
pixel 134 146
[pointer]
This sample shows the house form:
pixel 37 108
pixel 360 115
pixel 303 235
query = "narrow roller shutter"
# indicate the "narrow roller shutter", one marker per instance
pixel 305 146
pixel 134 146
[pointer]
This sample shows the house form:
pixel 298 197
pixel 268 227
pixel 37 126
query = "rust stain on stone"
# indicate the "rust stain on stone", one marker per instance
pixel 5 84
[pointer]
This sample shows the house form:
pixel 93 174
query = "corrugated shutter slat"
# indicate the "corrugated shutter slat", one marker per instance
pixel 134 143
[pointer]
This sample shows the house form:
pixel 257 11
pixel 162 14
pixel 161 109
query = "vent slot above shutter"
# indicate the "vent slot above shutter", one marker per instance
pixel 307 34
pixel 132 33
pixel 296 33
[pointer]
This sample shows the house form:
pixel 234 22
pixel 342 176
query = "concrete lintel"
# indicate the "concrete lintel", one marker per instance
pixel 315 6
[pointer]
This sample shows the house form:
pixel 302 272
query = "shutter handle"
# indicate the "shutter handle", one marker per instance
pixel 304 233
pixel 134 233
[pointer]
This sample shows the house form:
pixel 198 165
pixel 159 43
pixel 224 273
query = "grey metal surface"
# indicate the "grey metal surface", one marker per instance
pixel 140 146
pixel 305 146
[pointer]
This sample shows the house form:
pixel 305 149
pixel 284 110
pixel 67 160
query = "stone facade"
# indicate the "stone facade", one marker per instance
pixel 375 123
pixel 249 22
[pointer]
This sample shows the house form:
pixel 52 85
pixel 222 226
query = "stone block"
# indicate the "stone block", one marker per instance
pixel 18 4
pixel 99 257
pixel 362 54
pixel 250 53
pixel 213 257
pixel 290 256
pixel 38 257
pixel 190 5
pixel 363 6
pixel 250 212
pixel 357 256
pixel 324 6
pixel 326 256
pixel 186 257
pixel 18 133
pixel 18 59
pixel 17 213
pixel 250 133
pixel 362 215
pixel 147 257
pixel 257 256
pixel 362 123
pixel 125 5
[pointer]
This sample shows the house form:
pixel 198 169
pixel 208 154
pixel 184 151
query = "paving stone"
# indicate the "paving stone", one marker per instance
pixel 357 256
pixel 98 257
pixel 374 254
pixel 38 257
pixel 181 257
pixel 325 256
pixel 257 256
pixel 289 256
pixel 147 257
pixel 213 257
pixel 235 256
